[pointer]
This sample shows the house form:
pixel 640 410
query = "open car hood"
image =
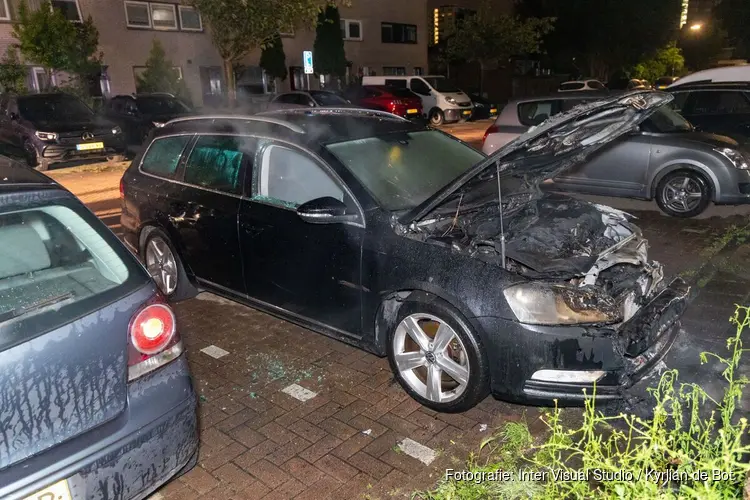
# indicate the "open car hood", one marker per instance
pixel 545 151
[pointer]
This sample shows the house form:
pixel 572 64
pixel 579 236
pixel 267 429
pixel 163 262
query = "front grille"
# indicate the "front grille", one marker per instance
pixel 77 137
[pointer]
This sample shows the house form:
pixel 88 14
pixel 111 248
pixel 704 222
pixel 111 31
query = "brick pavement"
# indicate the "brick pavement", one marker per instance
pixel 259 442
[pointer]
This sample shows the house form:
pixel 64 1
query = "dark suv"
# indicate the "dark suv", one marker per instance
pixel 56 128
pixel 138 114
pixel 719 108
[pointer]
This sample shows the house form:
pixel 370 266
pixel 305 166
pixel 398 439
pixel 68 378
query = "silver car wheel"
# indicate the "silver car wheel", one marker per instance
pixel 431 358
pixel 162 265
pixel 682 194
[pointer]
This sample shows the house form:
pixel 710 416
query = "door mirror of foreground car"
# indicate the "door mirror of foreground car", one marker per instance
pixel 326 210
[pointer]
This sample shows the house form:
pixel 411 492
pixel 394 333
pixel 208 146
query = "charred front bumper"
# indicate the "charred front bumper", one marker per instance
pixel 538 364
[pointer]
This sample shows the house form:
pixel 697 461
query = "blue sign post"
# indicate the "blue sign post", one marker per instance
pixel 307 58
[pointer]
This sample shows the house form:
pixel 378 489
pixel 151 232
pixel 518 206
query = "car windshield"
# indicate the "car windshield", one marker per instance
pixel 328 98
pixel 161 105
pixel 402 170
pixel 665 120
pixel 56 107
pixel 440 84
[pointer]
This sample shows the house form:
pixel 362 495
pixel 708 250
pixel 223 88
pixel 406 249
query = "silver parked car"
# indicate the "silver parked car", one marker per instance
pixel 666 159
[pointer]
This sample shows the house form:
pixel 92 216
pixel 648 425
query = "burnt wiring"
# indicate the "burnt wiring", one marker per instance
pixel 455 217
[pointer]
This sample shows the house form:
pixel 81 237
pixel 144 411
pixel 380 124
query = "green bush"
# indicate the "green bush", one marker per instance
pixel 677 453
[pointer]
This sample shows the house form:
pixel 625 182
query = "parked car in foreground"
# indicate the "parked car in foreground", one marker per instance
pixel 96 396
pixel 576 85
pixel 442 101
pixel 56 128
pixel 666 159
pixel 719 108
pixel 138 114
pixel 308 99
pixel 399 101
pixel 483 108
pixel 389 236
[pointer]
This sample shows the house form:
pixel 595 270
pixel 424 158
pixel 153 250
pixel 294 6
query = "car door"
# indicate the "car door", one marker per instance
pixel 428 96
pixel 205 216
pixel 309 270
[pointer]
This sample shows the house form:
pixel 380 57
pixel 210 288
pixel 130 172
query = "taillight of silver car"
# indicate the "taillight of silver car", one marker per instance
pixel 492 130
pixel 153 339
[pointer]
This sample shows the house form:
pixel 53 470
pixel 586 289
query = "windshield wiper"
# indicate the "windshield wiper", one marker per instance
pixel 21 311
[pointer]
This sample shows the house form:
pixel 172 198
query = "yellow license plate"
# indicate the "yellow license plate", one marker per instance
pixel 411 111
pixel 467 112
pixel 58 491
pixel 90 146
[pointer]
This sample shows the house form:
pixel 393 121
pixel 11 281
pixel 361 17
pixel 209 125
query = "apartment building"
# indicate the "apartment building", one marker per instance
pixel 381 37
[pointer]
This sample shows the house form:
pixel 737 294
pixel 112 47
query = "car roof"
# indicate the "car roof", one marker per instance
pixel 573 95
pixel 16 176
pixel 721 74
pixel 711 86
pixel 304 125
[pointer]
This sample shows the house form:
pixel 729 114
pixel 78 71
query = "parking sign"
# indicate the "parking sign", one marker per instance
pixel 307 57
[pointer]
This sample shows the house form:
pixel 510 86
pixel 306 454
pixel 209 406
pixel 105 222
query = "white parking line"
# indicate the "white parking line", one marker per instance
pixel 214 351
pixel 299 392
pixel 419 451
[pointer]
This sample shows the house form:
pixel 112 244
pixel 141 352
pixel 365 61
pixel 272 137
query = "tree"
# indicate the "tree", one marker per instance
pixel 45 37
pixel 734 17
pixel 489 38
pixel 328 48
pixel 161 75
pixel 601 36
pixel 667 61
pixel 273 59
pixel 239 26
pixel 12 72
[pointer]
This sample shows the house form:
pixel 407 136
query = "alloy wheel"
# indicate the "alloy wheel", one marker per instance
pixel 431 358
pixel 682 194
pixel 162 265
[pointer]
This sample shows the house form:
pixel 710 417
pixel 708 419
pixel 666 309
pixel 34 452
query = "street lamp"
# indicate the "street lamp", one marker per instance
pixel 696 27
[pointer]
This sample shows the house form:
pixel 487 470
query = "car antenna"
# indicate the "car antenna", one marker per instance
pixel 500 201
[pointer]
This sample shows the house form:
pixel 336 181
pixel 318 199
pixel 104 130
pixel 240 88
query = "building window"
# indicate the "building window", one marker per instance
pixel 418 71
pixel 40 79
pixel 163 16
pixel 69 9
pixel 394 71
pixel 4 11
pixel 137 15
pixel 398 33
pixel 190 19
pixel 351 29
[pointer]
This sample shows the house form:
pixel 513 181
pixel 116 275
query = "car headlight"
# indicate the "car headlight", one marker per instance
pixel 737 159
pixel 116 130
pixel 46 136
pixel 158 124
pixel 450 100
pixel 554 304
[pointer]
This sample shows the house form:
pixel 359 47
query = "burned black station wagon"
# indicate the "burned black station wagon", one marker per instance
pixel 408 243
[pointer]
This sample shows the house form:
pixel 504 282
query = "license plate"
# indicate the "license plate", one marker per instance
pixel 411 111
pixel 493 110
pixel 467 112
pixel 58 491
pixel 90 146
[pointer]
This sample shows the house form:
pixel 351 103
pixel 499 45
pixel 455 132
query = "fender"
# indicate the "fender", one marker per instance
pixel 682 164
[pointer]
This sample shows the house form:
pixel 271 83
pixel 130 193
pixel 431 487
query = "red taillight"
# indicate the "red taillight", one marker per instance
pixel 153 339
pixel 492 130
pixel 122 188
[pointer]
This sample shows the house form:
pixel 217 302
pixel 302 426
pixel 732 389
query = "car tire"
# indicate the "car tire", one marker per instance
pixel 162 260
pixel 683 193
pixel 437 117
pixel 32 157
pixel 462 355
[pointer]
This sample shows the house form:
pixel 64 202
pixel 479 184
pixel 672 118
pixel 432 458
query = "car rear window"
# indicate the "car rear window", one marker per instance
pixel 164 155
pixel 57 263
pixel 572 86
pixel 595 84
pixel 534 113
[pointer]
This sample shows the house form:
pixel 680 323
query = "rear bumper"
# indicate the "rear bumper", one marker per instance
pixel 128 457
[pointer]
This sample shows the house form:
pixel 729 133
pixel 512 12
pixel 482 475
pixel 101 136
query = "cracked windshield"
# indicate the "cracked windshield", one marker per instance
pixel 374 250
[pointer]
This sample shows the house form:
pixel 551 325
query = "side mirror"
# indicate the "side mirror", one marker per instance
pixel 326 210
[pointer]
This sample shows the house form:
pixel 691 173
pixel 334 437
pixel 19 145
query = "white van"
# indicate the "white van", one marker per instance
pixel 442 101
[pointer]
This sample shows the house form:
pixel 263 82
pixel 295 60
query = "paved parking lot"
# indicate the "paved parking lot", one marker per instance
pixel 347 439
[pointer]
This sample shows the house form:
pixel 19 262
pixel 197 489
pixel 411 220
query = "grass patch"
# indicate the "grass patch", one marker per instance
pixel 692 447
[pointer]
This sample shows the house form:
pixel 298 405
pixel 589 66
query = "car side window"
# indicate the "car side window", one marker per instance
pixel 719 103
pixel 287 98
pixel 130 107
pixel 289 178
pixel 304 100
pixel 534 113
pixel 678 103
pixel 419 86
pixel 215 162
pixel 164 155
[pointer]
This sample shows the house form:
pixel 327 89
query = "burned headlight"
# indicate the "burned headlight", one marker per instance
pixel 555 304
pixel 737 159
